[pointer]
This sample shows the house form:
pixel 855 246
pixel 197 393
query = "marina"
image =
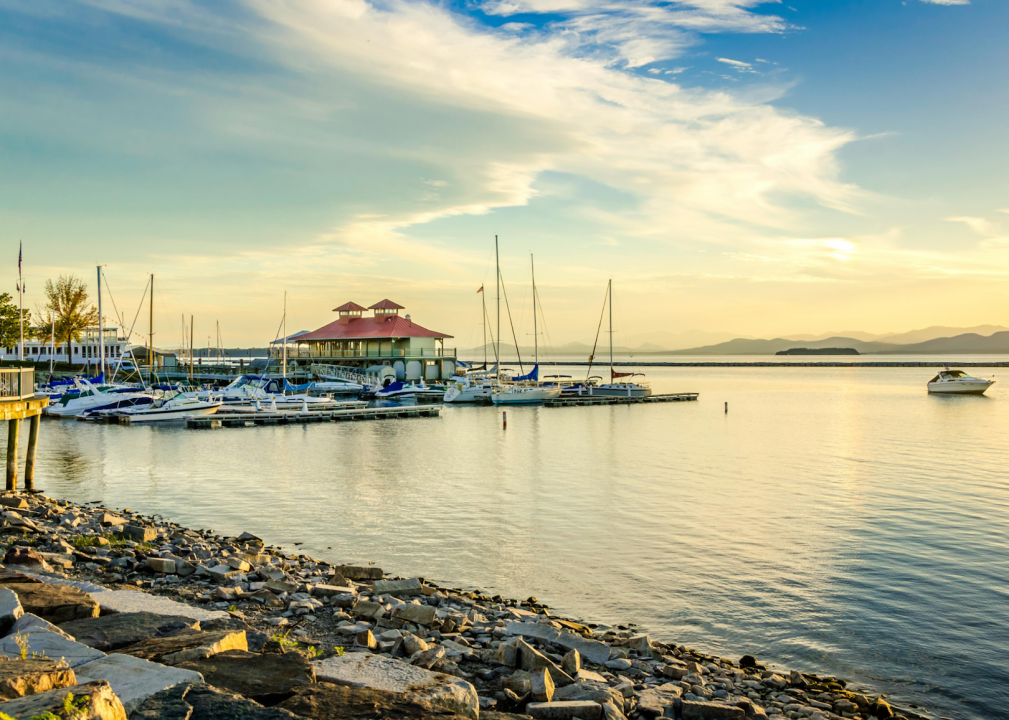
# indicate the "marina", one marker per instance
pixel 618 400
pixel 238 419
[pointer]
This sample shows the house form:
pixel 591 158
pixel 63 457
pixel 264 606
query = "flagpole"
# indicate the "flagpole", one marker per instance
pixel 21 308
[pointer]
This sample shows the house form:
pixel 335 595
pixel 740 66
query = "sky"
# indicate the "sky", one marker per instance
pixel 757 168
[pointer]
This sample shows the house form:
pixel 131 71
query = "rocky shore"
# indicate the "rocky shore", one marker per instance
pixel 110 614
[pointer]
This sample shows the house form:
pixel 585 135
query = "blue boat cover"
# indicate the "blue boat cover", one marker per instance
pixel 533 374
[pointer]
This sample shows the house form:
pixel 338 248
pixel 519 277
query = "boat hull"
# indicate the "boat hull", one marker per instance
pixel 959 388
pixel 468 394
pixel 525 397
pixel 618 391
pixel 172 415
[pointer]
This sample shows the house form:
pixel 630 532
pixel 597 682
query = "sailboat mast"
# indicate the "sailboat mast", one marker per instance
pixel 609 291
pixel 150 335
pixel 497 265
pixel 285 344
pixel 101 327
pixel 52 344
pixel 536 335
pixel 483 321
pixel 191 350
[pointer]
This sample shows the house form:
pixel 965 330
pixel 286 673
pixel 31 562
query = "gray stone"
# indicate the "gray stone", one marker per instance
pixel 355 572
pixel 531 659
pixel 694 710
pixel 429 657
pixel 369 609
pixel 10 609
pixel 398 588
pixel 101 703
pixel 541 686
pixel 572 663
pixel 331 590
pixel 382 673
pixel 30 623
pixel 178 649
pixel 267 678
pixel 138 533
pixel 565 710
pixel 346 601
pixel 52 646
pixel 54 602
pixel 591 650
pixel 590 692
pixel 112 632
pixel 413 644
pixel 417 614
pixel 223 573
pixel 507 654
pixel 112 520
pixel 133 679
pixel 124 601
pixel 203 702
pixel 160 565
pixel 281 586
pixel 31 676
pixel 619 664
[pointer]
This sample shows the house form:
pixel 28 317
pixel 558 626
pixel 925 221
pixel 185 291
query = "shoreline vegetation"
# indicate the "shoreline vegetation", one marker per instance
pixel 137 606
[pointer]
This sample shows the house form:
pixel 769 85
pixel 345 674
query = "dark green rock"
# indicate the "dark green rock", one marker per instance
pixel 112 632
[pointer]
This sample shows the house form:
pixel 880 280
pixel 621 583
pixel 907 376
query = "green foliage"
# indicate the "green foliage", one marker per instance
pixel 232 608
pixel 21 640
pixel 9 331
pixel 313 651
pixel 85 541
pixel 338 649
pixel 282 639
pixel 67 306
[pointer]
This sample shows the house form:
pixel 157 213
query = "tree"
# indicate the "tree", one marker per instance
pixel 67 305
pixel 9 331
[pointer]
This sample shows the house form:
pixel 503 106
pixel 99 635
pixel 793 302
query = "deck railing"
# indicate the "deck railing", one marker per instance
pixel 17 383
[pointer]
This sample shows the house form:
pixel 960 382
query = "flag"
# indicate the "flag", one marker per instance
pixel 480 290
pixel 19 258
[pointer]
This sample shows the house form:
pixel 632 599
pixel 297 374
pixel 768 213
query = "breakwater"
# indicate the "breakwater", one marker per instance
pixel 267 626
pixel 771 363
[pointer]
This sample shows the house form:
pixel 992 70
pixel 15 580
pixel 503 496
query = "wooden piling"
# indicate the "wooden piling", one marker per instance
pixel 13 427
pixel 33 439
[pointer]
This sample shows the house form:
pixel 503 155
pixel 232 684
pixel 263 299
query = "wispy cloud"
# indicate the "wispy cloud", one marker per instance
pixel 946 2
pixel 978 225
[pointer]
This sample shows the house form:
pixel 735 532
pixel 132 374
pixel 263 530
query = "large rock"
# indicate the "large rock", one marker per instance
pixel 267 679
pixel 591 650
pixel 28 624
pixel 382 673
pixel 55 603
pixel 417 614
pixel 139 533
pixel 29 677
pixel 694 710
pixel 112 632
pixel 133 679
pixel 398 588
pixel 203 702
pixel 98 702
pixel 186 648
pixel 52 646
pixel 565 710
pixel 128 601
pixel 355 572
pixel 326 701
pixel 10 609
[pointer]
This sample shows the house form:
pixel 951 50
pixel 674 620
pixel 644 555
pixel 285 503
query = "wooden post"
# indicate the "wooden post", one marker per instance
pixel 33 439
pixel 13 426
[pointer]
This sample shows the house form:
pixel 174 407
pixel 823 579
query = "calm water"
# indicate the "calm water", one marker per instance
pixel 834 520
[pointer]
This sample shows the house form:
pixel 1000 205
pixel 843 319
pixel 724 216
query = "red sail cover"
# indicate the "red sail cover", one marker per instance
pixel 615 375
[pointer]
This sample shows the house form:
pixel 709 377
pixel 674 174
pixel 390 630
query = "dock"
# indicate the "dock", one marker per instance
pixel 618 400
pixel 300 418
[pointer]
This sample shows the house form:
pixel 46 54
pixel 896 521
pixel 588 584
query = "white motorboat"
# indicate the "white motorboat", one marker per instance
pixel 175 408
pixel 470 390
pixel 957 382
pixel 523 394
pixel 401 390
pixel 92 397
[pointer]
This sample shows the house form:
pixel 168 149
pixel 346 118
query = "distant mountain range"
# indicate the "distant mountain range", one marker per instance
pixel 983 339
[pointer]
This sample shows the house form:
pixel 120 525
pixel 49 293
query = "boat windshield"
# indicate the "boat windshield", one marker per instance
pixel 953 374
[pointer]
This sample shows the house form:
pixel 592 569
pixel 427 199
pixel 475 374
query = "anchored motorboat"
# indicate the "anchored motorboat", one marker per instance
pixel 177 407
pixel 399 390
pixel 957 382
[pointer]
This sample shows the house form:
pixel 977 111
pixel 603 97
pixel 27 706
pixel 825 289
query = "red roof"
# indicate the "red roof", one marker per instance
pixel 386 305
pixel 349 307
pixel 365 328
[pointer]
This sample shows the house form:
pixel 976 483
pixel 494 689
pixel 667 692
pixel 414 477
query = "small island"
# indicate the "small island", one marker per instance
pixel 818 351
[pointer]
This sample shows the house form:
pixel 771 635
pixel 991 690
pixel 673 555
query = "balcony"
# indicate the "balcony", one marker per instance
pixel 371 354
pixel 17 384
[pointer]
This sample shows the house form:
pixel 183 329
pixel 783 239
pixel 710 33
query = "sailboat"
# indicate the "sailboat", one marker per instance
pixel 617 386
pixel 477 385
pixel 527 389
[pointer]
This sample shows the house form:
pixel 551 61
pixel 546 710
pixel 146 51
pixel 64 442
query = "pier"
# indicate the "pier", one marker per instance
pixel 18 402
pixel 247 419
pixel 618 400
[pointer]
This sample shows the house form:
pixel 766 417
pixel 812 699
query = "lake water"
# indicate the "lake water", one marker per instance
pixel 834 520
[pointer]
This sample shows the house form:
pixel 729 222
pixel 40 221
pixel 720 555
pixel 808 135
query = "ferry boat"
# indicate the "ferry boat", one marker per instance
pixel 957 382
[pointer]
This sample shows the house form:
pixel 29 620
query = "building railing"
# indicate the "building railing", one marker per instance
pixel 17 383
pixel 391 354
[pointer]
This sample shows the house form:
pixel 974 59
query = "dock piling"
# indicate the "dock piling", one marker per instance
pixel 13 427
pixel 504 419
pixel 33 438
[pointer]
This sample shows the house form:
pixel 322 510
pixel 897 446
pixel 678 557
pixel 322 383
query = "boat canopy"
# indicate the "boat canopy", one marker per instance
pixel 533 374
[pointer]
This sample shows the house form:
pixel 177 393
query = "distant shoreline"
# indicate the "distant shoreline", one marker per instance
pixel 769 363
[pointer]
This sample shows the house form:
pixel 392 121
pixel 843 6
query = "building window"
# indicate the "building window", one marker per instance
pixel 77 351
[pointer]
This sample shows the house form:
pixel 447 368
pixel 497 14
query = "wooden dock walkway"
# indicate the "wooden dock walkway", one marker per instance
pixel 299 418
pixel 618 400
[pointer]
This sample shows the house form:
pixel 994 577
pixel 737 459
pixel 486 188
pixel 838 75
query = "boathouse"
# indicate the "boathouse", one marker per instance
pixel 383 338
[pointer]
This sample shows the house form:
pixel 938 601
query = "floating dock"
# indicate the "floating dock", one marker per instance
pixel 222 419
pixel 618 400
